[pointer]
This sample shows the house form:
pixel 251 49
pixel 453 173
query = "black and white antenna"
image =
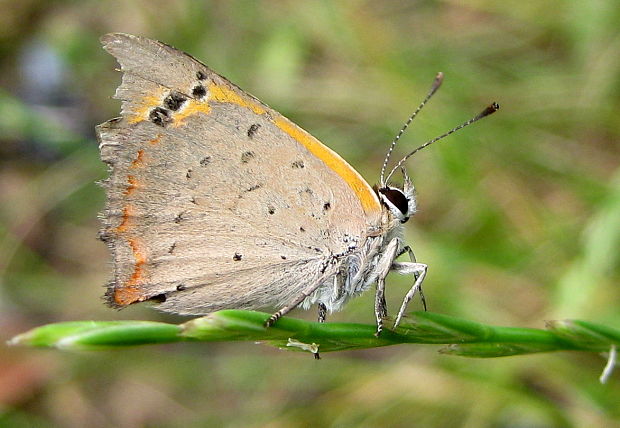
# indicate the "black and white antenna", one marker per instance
pixel 490 109
pixel 434 87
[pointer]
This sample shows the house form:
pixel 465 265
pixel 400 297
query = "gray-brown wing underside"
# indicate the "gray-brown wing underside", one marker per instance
pixel 214 200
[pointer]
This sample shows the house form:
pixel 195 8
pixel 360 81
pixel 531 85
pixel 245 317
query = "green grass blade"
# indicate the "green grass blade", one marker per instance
pixel 466 338
pixel 93 335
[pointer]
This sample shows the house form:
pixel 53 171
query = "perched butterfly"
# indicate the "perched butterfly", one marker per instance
pixel 216 201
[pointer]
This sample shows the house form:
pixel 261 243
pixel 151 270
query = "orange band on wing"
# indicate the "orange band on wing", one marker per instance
pixel 368 198
pixel 138 162
pixel 226 95
pixel 217 93
pixel 127 295
pixel 140 258
pixel 127 212
pixel 132 184
pixel 131 292
pixel 189 109
pixel 364 192
pixel 143 108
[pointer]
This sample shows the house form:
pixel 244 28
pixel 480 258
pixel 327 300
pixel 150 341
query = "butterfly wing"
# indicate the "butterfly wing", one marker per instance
pixel 214 199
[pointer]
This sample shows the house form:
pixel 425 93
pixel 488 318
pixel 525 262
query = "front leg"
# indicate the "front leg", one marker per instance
pixel 418 270
pixel 407 249
pixel 382 269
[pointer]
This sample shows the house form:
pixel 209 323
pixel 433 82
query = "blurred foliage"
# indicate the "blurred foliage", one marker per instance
pixel 519 220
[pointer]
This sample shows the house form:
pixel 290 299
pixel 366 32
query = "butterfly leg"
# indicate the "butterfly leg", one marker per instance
pixel 285 310
pixel 407 249
pixel 322 312
pixel 383 268
pixel 418 270
pixel 380 305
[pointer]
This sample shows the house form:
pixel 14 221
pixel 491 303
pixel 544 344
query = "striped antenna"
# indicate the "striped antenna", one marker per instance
pixel 434 87
pixel 492 108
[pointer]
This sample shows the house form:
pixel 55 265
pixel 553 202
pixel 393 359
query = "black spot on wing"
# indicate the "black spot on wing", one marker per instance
pixel 298 164
pixel 201 75
pixel 237 257
pixel 179 218
pixel 205 161
pixel 199 91
pixel 247 156
pixel 160 116
pixel 174 100
pixel 253 129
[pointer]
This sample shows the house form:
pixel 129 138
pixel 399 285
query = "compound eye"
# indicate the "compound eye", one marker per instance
pixel 396 198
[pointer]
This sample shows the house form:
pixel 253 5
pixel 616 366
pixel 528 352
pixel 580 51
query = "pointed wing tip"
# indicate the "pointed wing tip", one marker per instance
pixel 113 37
pixel 112 40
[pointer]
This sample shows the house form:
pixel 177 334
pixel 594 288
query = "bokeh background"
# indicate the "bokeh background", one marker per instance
pixel 519 214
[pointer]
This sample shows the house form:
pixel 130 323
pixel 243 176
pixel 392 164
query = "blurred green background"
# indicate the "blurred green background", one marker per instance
pixel 519 216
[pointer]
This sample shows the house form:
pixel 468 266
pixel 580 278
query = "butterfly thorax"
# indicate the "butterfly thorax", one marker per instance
pixel 357 269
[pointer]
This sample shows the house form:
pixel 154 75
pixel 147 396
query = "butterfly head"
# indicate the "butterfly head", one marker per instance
pixel 400 201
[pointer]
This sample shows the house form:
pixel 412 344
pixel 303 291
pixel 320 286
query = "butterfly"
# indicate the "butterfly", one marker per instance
pixel 216 201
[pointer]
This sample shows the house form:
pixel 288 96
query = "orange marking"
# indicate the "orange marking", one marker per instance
pixel 127 295
pixel 219 93
pixel 190 108
pixel 127 212
pixel 226 95
pixel 139 160
pixel 156 139
pixel 131 292
pixel 143 106
pixel 133 184
pixel 140 257
pixel 368 198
